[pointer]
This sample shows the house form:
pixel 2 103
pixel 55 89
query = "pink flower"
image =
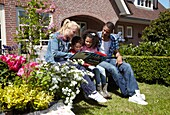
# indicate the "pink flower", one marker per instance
pixel 27 69
pixel 14 62
pixel 20 72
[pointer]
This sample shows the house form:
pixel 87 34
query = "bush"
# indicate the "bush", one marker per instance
pixel 151 69
pixel 161 48
pixel 159 29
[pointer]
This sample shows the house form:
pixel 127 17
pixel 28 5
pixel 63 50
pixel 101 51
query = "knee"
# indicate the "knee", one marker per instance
pixel 113 70
pixel 126 66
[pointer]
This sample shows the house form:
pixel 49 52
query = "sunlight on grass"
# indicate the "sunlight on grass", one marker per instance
pixel 157 96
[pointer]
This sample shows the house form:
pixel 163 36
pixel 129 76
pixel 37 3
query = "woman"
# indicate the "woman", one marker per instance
pixel 58 51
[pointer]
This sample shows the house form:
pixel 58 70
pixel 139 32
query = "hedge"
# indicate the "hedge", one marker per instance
pixel 151 69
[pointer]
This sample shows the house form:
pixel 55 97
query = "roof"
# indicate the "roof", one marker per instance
pixel 145 14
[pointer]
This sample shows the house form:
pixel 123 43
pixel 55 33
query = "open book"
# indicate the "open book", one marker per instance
pixel 89 57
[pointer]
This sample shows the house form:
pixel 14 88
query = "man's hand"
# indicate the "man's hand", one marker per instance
pixel 119 60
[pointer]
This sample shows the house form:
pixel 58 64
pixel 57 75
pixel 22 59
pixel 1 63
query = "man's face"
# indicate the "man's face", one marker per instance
pixel 105 31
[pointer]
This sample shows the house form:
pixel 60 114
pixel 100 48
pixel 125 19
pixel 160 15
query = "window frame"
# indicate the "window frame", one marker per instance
pixel 18 25
pixel 131 32
pixel 2 27
pixel 81 28
pixel 142 4
pixel 122 30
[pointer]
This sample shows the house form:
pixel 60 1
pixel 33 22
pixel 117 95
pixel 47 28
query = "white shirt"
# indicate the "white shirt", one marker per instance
pixel 104 48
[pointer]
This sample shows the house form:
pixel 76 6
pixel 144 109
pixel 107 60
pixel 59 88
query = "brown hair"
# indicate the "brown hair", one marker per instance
pixel 76 39
pixel 91 34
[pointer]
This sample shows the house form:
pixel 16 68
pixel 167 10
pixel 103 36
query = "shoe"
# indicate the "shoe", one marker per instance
pixel 107 94
pixel 99 98
pixel 137 99
pixel 143 96
pixel 140 95
pixel 99 89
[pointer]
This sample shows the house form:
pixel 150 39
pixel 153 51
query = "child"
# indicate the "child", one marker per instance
pixel 91 42
pixel 76 44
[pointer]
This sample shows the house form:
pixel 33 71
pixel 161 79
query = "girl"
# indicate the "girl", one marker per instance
pixel 57 51
pixel 91 41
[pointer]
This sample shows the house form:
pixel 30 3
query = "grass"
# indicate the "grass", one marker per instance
pixel 157 96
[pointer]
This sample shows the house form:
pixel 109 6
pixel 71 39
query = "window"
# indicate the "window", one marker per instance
pixel 121 29
pixel 144 3
pixel 83 27
pixel 129 31
pixel 2 28
pixel 48 20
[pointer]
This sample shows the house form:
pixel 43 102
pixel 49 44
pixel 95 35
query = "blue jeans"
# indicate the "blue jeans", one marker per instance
pixel 99 78
pixel 89 87
pixel 127 73
pixel 117 77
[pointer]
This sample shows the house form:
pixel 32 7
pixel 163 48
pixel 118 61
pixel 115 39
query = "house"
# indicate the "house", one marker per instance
pixel 129 16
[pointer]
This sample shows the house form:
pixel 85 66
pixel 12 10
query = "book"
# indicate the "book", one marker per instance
pixel 89 57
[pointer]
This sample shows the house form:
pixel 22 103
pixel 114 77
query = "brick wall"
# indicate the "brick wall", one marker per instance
pixel 95 12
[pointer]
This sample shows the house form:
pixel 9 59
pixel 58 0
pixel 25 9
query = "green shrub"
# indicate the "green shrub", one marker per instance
pixel 159 28
pixel 151 69
pixel 161 48
pixel 23 98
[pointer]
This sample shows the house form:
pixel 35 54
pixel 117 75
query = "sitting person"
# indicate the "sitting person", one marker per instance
pixel 76 46
pixel 91 42
pixel 121 71
pixel 57 51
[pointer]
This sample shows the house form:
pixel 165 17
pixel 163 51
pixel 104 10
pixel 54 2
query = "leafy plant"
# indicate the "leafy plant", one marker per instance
pixel 34 27
pixel 23 98
pixel 10 64
pixel 159 28
pixel 61 80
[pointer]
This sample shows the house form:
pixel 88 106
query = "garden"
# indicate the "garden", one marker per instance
pixel 28 85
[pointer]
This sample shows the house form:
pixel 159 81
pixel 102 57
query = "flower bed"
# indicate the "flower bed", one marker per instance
pixel 31 86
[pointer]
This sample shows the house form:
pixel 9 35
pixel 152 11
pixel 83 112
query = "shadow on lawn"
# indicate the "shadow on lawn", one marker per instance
pixel 79 109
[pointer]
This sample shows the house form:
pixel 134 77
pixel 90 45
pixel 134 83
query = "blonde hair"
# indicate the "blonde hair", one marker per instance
pixel 68 24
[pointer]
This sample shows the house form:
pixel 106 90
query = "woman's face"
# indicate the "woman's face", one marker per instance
pixel 71 32
pixel 77 47
pixel 88 42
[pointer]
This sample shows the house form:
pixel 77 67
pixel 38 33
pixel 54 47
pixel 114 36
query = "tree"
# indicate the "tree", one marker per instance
pixel 159 29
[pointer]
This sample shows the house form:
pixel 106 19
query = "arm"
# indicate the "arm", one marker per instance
pixel 55 49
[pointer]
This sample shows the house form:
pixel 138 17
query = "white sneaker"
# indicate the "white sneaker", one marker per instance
pixel 143 96
pixel 137 99
pixel 99 98
pixel 140 95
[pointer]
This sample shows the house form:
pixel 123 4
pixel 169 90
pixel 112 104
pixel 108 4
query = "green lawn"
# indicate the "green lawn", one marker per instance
pixel 157 96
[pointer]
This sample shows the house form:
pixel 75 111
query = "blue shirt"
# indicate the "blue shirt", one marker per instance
pixel 57 49
pixel 114 43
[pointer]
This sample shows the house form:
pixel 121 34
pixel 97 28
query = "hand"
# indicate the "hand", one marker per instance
pixel 119 60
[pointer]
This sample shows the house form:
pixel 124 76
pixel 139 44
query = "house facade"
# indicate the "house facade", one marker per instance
pixel 129 16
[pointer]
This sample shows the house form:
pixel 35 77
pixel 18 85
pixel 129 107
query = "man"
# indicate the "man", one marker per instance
pixel 121 71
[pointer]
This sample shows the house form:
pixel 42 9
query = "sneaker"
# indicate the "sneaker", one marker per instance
pixel 143 96
pixel 140 95
pixel 99 98
pixel 137 99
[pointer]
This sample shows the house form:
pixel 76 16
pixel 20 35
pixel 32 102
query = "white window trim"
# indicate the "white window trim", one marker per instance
pixel 3 27
pixel 122 28
pixel 18 24
pixel 140 6
pixel 131 34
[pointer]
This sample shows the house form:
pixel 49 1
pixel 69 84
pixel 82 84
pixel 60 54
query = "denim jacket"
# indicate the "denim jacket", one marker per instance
pixel 114 43
pixel 57 49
